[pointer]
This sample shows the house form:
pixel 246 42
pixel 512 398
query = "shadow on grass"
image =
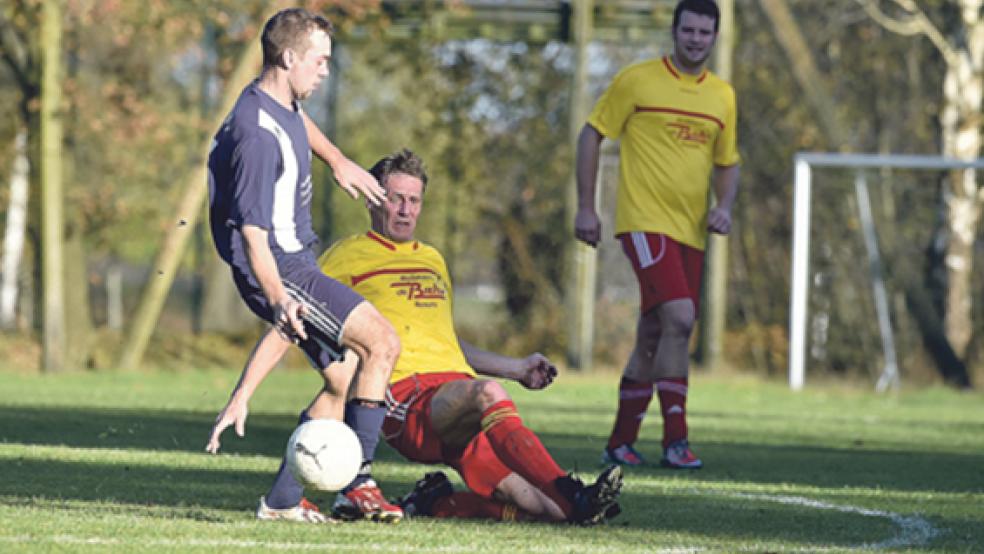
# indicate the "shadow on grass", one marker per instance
pixel 132 484
pixel 144 429
pixel 183 493
pixel 185 490
pixel 859 466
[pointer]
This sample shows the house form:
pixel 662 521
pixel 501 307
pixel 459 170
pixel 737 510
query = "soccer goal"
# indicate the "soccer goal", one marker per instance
pixel 860 165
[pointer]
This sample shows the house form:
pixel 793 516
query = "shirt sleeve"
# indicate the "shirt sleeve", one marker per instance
pixel 726 147
pixel 613 108
pixel 256 165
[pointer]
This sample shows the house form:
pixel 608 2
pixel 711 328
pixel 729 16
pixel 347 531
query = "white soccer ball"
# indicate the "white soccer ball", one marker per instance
pixel 324 454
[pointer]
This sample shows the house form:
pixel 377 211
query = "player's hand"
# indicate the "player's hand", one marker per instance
pixel 538 372
pixel 719 221
pixel 587 226
pixel 353 180
pixel 234 413
pixel 287 319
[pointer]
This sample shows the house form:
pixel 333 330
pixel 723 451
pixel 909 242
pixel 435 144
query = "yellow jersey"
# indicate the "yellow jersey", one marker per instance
pixel 409 284
pixel 674 127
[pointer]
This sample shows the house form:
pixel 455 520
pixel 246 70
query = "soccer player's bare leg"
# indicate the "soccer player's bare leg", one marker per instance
pixel 676 320
pixel 374 340
pixel 671 368
pixel 635 392
pixel 377 345
pixel 460 409
pixel 330 402
pixel 531 500
pixel 662 357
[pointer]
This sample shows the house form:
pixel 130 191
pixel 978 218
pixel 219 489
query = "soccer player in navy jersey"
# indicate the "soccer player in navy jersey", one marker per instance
pixel 259 208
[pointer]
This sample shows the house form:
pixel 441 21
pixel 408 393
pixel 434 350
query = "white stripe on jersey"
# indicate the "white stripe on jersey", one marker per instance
pixel 284 229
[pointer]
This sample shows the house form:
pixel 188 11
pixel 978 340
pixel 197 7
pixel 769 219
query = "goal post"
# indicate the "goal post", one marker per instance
pixel 804 164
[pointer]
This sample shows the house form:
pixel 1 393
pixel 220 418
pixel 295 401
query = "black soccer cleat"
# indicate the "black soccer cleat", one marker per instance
pixel 428 490
pixel 596 503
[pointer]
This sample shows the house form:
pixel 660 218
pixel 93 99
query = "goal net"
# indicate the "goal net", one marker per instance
pixel 860 261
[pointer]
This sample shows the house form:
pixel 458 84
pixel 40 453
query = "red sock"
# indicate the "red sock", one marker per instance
pixel 521 450
pixel 468 505
pixel 673 405
pixel 633 401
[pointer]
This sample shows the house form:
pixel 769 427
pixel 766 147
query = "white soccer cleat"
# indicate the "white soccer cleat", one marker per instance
pixel 305 512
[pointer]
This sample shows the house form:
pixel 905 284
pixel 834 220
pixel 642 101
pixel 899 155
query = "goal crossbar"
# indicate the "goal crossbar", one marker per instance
pixel 803 163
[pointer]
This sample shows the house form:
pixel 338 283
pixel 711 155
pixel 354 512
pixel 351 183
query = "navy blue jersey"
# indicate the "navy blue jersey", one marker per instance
pixel 260 174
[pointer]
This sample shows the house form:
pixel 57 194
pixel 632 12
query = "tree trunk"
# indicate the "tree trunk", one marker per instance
pixel 13 238
pixel 961 128
pixel 52 225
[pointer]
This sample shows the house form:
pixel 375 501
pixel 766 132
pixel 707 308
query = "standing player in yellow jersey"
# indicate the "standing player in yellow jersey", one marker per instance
pixel 676 121
pixel 438 409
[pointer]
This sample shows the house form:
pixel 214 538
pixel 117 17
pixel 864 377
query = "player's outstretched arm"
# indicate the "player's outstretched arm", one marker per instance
pixel 533 372
pixel 264 358
pixel 352 178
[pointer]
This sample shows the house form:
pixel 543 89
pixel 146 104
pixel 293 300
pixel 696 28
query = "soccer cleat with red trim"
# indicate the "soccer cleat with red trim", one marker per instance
pixel 623 455
pixel 305 512
pixel 679 456
pixel 366 501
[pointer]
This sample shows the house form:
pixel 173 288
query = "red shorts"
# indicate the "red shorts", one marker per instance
pixel 666 269
pixel 407 428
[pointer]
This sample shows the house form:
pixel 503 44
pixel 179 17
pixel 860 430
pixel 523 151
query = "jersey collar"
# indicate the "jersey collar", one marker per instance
pixel 671 68
pixel 394 246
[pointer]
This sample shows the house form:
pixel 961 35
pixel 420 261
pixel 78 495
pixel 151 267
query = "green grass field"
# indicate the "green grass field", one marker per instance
pixel 115 462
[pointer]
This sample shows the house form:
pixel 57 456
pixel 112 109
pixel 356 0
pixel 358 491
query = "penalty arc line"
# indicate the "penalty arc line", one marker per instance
pixel 912 530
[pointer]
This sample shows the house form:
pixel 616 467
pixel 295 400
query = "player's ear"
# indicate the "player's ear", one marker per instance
pixel 287 58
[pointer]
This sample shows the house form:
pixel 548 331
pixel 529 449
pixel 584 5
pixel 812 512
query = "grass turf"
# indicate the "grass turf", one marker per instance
pixel 115 462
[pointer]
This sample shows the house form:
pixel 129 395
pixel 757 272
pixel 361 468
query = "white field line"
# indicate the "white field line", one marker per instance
pixel 225 544
pixel 911 530
pixel 209 543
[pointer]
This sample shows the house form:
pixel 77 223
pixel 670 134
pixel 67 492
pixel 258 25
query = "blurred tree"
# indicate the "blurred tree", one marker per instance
pixel 956 31
pixel 19 51
pixel 881 86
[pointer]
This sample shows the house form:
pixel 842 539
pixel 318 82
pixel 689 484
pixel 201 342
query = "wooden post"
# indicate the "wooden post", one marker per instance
pixel 714 308
pixel 580 291
pixel 52 210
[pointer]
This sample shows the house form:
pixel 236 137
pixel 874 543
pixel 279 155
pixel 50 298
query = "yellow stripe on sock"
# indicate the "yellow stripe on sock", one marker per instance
pixel 494 418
